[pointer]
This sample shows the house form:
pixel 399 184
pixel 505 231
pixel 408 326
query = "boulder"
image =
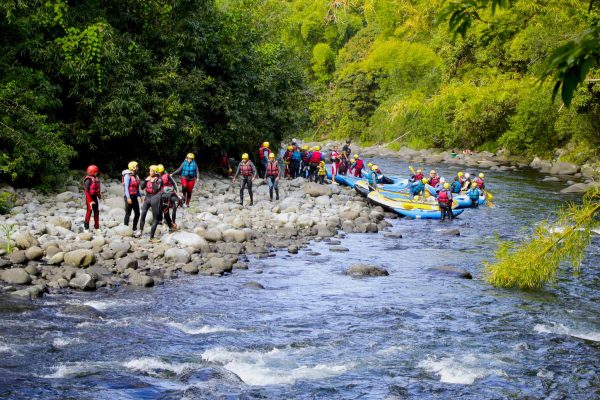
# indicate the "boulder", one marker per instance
pixel 394 235
pixel 213 235
pixel 60 221
pixel 86 236
pixel 66 196
pixel 253 285
pixel 32 270
pixel 34 253
pixel 305 221
pixel 452 271
pixel 292 249
pixel 79 258
pixel 123 230
pixel 220 264
pixel 57 258
pixel 564 168
pixel 316 190
pixel 83 281
pixel 32 292
pixel 25 240
pixel 186 239
pixel 15 276
pixel 127 262
pixel 138 279
pixel 18 257
pixel 120 247
pixel 451 232
pixel 366 270
pixel 115 202
pixel 550 179
pixel 576 188
pixel 339 249
pixel 190 269
pixel 176 255
pixel 234 235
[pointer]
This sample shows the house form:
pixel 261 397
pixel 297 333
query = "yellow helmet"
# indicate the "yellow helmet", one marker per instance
pixel 356 156
pixel 446 185
pixel 132 165
pixel 460 174
pixel 160 168
pixel 481 175
pixel 290 147
pixel 190 155
pixel 305 147
pixel 419 171
pixel 265 144
pixel 370 164
pixel 322 163
pixel 153 168
pixel 424 180
pixel 245 156
pixel 317 148
pixel 271 156
pixel 352 160
pixel 374 167
pixel 473 184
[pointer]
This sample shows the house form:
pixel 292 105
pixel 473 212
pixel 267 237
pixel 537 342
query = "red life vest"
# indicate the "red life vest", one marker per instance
pixel 94 185
pixel 165 180
pixel 245 169
pixel 305 156
pixel 261 153
pixel 434 181
pixel 151 187
pixel 287 155
pixel 335 157
pixel 134 184
pixel 359 164
pixel 479 183
pixel 272 168
pixel 315 157
pixel 418 177
pixel 443 197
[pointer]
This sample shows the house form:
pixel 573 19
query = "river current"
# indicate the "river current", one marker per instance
pixel 314 333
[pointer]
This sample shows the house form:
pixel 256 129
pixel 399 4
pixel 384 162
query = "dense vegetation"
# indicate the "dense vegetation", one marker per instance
pixel 104 81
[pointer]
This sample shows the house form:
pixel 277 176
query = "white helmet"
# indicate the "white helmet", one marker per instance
pixel 442 180
pixel 467 175
pixel 293 141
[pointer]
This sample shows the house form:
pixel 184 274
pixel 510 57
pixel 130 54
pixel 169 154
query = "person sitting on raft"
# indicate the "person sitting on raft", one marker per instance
pixel 474 194
pixel 418 187
pixel 444 199
pixel 434 178
pixel 480 181
pixel 456 185
pixel 440 185
pixel 467 182
pixel 417 176
pixel 372 177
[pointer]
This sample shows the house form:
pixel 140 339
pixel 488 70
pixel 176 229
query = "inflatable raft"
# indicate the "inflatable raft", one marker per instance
pixel 347 180
pixel 409 208
pixel 398 185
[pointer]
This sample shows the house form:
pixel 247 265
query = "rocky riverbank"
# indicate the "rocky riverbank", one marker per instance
pixel 52 253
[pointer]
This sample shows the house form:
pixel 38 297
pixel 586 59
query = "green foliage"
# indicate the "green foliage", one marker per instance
pixel 7 230
pixel 323 62
pixel 5 201
pixel 533 263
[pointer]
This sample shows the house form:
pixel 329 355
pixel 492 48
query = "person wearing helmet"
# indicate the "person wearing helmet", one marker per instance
pixel 248 172
pixel 295 162
pixel 347 148
pixel 263 156
pixel 474 194
pixel 417 176
pixel 358 166
pixel 444 198
pixel 131 192
pixel 161 203
pixel 272 176
pixel 372 177
pixel 456 185
pixel 93 193
pixel 440 184
pixel 315 158
pixel 190 175
pixel 467 182
pixel 168 181
pixel 480 181
pixel 287 159
pixel 335 163
pixel 434 178
pixel 304 163
pixel 344 163
pixel 153 186
pixel 417 188
pixel 321 172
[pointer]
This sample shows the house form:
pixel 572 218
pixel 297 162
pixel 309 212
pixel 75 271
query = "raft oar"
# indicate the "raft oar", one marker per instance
pixel 412 170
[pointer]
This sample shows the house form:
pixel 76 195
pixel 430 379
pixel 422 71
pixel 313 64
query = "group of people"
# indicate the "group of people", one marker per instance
pixel 158 192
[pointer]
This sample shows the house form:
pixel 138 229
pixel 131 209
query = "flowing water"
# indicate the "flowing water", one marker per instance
pixel 316 333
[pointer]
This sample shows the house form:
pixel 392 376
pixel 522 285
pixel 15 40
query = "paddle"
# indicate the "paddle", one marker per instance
pixel 412 170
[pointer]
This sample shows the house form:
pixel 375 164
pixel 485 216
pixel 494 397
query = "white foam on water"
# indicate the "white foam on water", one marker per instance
pixel 63 342
pixel 118 323
pixel 462 372
pixel 194 330
pixel 153 366
pixel 273 367
pixel 4 348
pixel 560 329
pixel 71 369
pixel 392 350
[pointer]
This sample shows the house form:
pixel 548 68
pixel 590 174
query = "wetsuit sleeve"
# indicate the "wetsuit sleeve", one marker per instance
pixel 126 181
pixel 86 190
pixel 178 170
pixel 197 172
pixel 237 171
pixel 172 181
pixel 143 184
pixel 254 173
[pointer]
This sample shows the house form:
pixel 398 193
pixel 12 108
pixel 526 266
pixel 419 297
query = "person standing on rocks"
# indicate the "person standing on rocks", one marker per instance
pixel 272 177
pixel 263 156
pixel 287 159
pixel 347 148
pixel 131 192
pixel 152 185
pixel 168 181
pixel 344 164
pixel 358 166
pixel 92 192
pixel 315 158
pixel 335 163
pixel 161 203
pixel 295 163
pixel 305 163
pixel 190 175
pixel 248 172
pixel 321 172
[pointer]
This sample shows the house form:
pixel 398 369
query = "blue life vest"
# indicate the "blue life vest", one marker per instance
pixel 473 194
pixel 296 155
pixel 189 169
pixel 455 187
pixel 417 188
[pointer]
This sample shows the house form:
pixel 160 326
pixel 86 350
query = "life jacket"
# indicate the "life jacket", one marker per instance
pixel 315 157
pixel 434 181
pixel 165 180
pixel 479 183
pixel 335 157
pixel 272 168
pixel 94 184
pixel 152 187
pixel 473 194
pixel 322 171
pixel 305 156
pixel 296 155
pixel 134 183
pixel 189 169
pixel 418 177
pixel 456 186
pixel 418 188
pixel 443 197
pixel 261 153
pixel 359 165
pixel 246 169
pixel 287 155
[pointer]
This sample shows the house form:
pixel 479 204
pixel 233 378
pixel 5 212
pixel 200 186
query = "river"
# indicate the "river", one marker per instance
pixel 314 333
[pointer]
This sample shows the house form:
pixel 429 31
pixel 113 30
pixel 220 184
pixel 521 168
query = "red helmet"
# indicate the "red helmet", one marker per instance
pixel 92 169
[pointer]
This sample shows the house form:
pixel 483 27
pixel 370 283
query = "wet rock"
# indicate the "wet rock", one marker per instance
pixel 550 179
pixel 451 271
pixel 138 279
pixel 394 235
pixel 339 249
pixel 32 270
pixel 61 221
pixel 83 281
pixel 127 262
pixel 17 257
pixel 25 240
pixel 15 276
pixel 366 270
pixel 292 249
pixel 32 292
pixel 34 253
pixel 219 265
pixel 316 190
pixel 177 255
pixel 253 285
pixel 576 188
pixel 451 232
pixel 372 227
pixel 190 269
pixel 79 258
pixel 186 239
pixel 57 258
pixel 564 168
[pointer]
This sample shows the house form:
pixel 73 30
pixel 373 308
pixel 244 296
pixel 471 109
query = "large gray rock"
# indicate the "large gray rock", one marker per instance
pixel 213 235
pixel 138 279
pixel 190 269
pixel 16 276
pixel 127 262
pixel 234 235
pixel 366 270
pixel 123 230
pixel 576 188
pixel 316 190
pixel 66 196
pixel 120 247
pixel 177 255
pixel 451 271
pixel 57 258
pixel 79 258
pixel 186 239
pixel 83 281
pixel 25 240
pixel 564 168
pixel 254 285
pixel 542 165
pixel 34 253
pixel 18 257
pixel 220 263
pixel 60 221
pixel 339 249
